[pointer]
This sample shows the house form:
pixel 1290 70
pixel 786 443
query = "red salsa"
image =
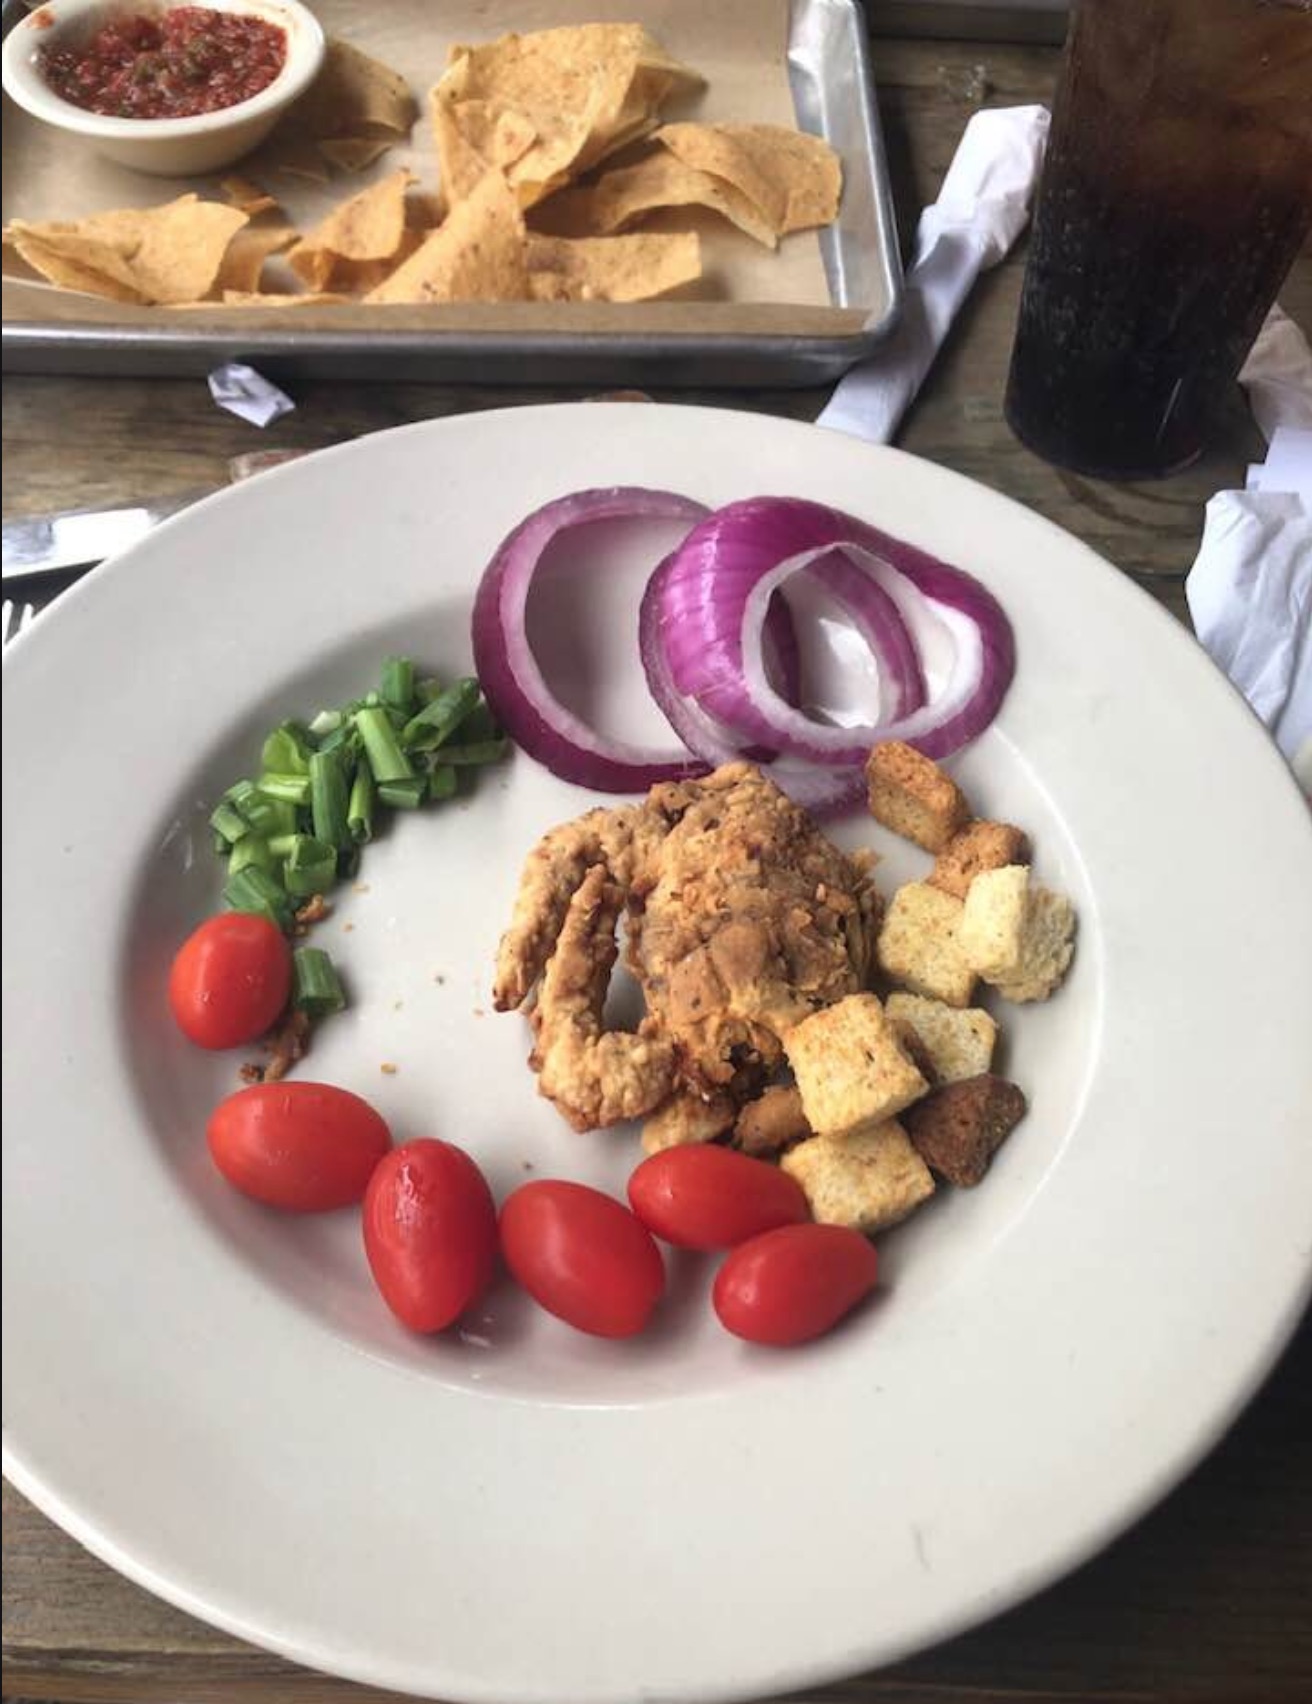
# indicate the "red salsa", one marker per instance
pixel 173 64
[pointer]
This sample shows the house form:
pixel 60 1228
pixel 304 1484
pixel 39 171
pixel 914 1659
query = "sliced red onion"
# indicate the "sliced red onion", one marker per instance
pixel 514 685
pixel 720 583
pixel 824 791
pixel 876 616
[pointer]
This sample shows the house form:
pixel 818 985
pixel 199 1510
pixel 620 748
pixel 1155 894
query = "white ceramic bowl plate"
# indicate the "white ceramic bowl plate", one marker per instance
pixel 212 1397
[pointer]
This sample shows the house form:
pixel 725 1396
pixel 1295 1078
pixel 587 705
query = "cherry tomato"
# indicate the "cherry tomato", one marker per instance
pixel 430 1233
pixel 583 1256
pixel 701 1196
pixel 230 980
pixel 794 1283
pixel 305 1147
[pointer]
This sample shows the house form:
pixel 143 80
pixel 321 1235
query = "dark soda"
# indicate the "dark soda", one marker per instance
pixel 1176 194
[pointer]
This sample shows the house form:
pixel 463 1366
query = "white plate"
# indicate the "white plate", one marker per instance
pixel 212 1398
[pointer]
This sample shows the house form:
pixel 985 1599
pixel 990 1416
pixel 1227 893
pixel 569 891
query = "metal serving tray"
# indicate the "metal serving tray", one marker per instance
pixel 833 95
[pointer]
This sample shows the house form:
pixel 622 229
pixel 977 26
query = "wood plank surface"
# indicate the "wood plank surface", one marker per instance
pixel 1208 1597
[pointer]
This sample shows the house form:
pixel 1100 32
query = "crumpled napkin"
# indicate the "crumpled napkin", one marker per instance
pixel 982 208
pixel 248 394
pixel 1250 588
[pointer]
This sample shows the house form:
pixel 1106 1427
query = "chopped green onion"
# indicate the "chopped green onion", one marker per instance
pixel 295 789
pixel 316 987
pixel 311 866
pixel 481 725
pixel 348 863
pixel 253 889
pixel 360 809
pixel 228 822
pixel 328 798
pixel 285 751
pixel 264 814
pixel 326 722
pixel 386 759
pixel 281 844
pixel 481 751
pixel 222 845
pixel 405 794
pixel 442 783
pixel 437 721
pixel 398 687
pixel 426 690
pixel 252 850
pixel 343 739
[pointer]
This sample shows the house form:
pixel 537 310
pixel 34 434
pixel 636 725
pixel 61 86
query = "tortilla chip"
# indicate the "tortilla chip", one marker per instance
pixel 796 180
pixel 625 193
pixel 173 252
pixel 578 92
pixel 295 156
pixel 476 255
pixel 63 256
pixel 354 95
pixel 611 269
pixel 353 153
pixel 243 263
pixel 259 299
pixel 248 197
pixel 369 227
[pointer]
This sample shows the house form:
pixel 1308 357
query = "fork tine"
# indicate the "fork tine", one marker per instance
pixel 27 618
pixel 6 621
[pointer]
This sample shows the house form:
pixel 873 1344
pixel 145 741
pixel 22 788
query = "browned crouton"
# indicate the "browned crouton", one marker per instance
pixel 959 1042
pixel 912 796
pixel 774 1122
pixel 851 1069
pixel 868 1181
pixel 980 846
pixel 918 946
pixel 916 1051
pixel 958 1128
pixel 686 1118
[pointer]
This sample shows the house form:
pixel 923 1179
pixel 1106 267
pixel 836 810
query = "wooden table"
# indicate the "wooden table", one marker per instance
pixel 1209 1596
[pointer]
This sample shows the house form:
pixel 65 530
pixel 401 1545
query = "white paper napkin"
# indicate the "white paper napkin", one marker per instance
pixel 1250 589
pixel 982 208
pixel 248 394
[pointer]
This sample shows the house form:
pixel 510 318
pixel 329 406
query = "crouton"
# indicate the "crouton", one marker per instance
pixel 1047 945
pixel 918 945
pixel 774 1122
pixel 993 921
pixel 869 1181
pixel 686 1118
pixel 980 846
pixel 851 1069
pixel 958 1128
pixel 959 1043
pixel 915 1049
pixel 912 796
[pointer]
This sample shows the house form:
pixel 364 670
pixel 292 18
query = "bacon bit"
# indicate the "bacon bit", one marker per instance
pixel 315 909
pixel 285 1044
pixel 389 1070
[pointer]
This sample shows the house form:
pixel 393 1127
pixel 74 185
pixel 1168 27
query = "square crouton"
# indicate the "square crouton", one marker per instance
pixel 767 1126
pixel 912 796
pixel 851 1069
pixel 686 1118
pixel 918 945
pixel 993 921
pixel 980 846
pixel 1047 945
pixel 869 1181
pixel 958 1128
pixel 959 1042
